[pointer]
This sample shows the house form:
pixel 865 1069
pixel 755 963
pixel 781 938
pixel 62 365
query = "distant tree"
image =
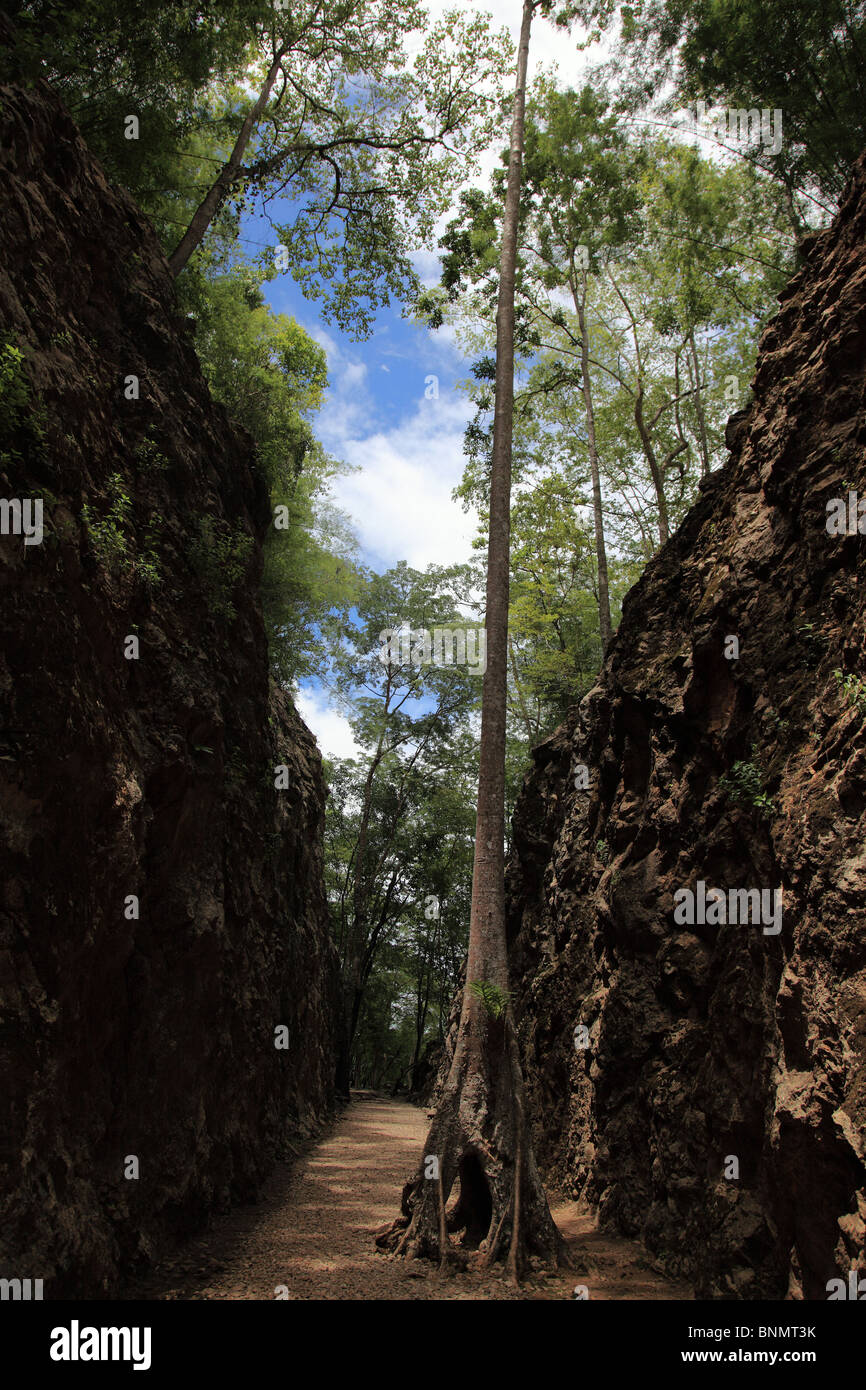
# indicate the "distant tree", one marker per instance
pixel 409 718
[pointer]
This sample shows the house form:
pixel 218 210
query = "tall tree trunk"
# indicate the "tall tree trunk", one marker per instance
pixel 479 1133
pixel 656 473
pixel 219 189
pixel 604 623
pixel 699 406
pixel 652 461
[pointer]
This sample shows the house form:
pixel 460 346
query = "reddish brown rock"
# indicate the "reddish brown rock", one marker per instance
pixel 714 1041
pixel 152 777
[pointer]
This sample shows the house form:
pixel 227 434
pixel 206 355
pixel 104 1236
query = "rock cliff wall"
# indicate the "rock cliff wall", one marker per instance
pixel 161 907
pixel 712 1041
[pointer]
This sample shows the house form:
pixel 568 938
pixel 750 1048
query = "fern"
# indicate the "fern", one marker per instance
pixel 493 1000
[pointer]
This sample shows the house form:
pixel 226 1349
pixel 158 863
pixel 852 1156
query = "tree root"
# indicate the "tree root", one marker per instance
pixel 479 1137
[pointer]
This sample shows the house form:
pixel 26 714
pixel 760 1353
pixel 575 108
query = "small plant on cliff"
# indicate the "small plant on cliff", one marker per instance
pixel 219 555
pixel 109 534
pixel 14 390
pixel 112 537
pixel 853 688
pixel 774 722
pixel 147 568
pixel 19 416
pixel 744 786
pixel 149 457
pixel 493 1000
pixel 813 641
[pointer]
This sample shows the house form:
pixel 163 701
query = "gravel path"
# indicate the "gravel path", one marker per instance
pixel 312 1232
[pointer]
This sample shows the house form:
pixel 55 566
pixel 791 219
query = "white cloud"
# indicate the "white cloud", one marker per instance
pixel 348 407
pixel 400 499
pixel 398 495
pixel 330 727
pixel 428 264
pixel 352 374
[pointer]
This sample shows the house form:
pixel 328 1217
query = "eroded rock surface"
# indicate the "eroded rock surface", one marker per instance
pixel 707 1042
pixel 149 778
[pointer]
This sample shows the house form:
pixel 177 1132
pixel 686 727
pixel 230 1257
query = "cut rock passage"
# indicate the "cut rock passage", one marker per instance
pixel 312 1232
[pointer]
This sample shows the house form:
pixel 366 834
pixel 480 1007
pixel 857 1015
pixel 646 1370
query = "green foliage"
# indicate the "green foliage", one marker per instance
pixel 853 688
pixel 493 1000
pixel 219 554
pixel 365 136
pixel 113 537
pixel 772 720
pixel 744 786
pixel 22 420
pixel 150 458
pixel 400 824
pixel 813 641
pixel 808 63
pixel 271 376
pixel 147 565
pixel 555 646
pixel 266 370
pixel 110 534
pixel 153 59
pixel 14 388
pixel 643 248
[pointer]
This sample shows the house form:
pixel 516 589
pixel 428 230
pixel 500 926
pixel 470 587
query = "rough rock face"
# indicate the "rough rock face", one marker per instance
pixel 148 1030
pixel 716 1040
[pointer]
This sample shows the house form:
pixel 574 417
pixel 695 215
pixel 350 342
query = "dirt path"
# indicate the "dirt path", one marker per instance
pixel 311 1231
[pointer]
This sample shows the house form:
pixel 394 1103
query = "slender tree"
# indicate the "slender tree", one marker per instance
pixel 480 1133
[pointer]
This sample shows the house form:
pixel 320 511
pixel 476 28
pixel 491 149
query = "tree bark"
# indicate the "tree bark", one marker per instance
pixel 699 407
pixel 652 461
pixel 479 1133
pixel 219 189
pixel 604 622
